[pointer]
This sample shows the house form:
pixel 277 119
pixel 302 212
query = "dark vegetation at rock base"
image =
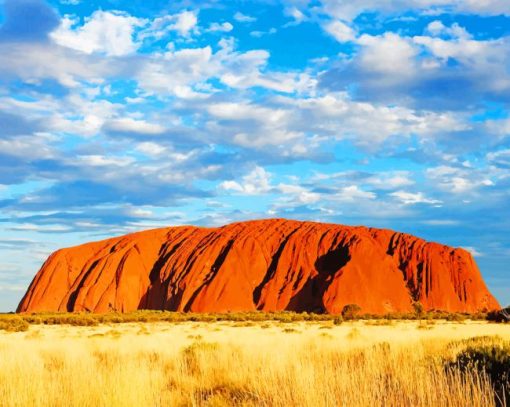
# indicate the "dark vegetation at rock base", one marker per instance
pixel 488 356
pixel 351 312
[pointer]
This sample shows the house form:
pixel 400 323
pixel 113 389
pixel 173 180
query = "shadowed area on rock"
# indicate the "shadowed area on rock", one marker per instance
pixel 267 265
pixel 309 298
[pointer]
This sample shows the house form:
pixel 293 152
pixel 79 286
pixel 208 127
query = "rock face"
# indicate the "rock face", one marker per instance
pixel 265 265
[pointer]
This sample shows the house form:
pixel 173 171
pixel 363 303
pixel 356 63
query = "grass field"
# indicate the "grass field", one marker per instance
pixel 250 363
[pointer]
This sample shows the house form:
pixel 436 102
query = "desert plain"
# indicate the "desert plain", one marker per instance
pixel 248 363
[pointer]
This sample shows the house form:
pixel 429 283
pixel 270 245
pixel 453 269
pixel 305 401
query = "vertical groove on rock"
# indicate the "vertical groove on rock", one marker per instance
pixel 74 295
pixel 214 269
pixel 257 293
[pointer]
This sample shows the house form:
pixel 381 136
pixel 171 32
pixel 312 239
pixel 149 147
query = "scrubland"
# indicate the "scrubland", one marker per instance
pixel 254 363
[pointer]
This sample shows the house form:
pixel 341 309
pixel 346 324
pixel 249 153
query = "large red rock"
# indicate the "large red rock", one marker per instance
pixel 265 265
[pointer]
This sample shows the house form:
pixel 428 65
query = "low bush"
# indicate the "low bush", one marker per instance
pixel 14 324
pixel 456 317
pixel 488 356
pixel 502 315
pixel 351 311
pixel 418 308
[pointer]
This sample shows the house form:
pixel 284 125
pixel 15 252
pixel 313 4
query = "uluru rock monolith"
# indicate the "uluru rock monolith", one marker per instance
pixel 268 265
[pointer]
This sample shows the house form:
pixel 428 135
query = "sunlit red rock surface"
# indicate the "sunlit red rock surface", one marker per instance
pixel 266 265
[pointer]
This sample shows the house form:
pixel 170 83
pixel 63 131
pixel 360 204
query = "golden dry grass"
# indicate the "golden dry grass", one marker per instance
pixel 265 363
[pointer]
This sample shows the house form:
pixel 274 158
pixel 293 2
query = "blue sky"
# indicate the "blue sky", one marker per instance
pixel 119 116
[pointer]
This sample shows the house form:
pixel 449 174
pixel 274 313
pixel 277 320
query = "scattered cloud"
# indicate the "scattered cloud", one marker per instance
pixel 473 251
pixel 260 34
pixel 184 24
pixel 500 158
pixel 255 183
pixel 425 71
pixel 128 125
pixel 348 11
pixel 412 198
pixel 296 14
pixel 243 18
pixel 457 180
pixel 340 31
pixel 221 27
pixel 105 32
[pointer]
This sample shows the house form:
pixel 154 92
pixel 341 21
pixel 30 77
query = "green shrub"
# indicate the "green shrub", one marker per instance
pixel 80 320
pixel 490 359
pixel 33 319
pixel 455 317
pixel 499 316
pixel 14 324
pixel 351 311
pixel 418 308
pixel 478 316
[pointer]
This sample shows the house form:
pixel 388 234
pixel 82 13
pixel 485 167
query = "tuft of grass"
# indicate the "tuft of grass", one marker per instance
pixel 425 325
pixel 290 330
pixel 114 333
pixel 354 333
pixel 143 330
pixel 380 322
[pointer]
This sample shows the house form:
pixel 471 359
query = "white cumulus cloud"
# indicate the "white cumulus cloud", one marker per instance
pixel 411 198
pixel 223 27
pixel 243 18
pixel 104 32
pixel 129 125
pixel 257 182
pixel 340 31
